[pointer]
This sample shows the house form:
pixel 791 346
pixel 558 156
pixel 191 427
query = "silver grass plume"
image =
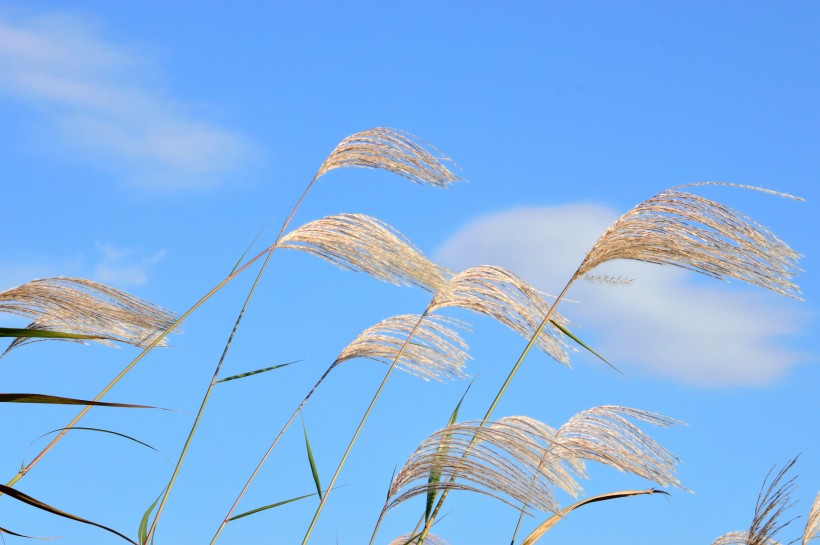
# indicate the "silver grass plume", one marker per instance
pixel 559 464
pixel 84 307
pixel 500 294
pixel 740 538
pixel 410 539
pixel 603 434
pixel 436 351
pixel 393 150
pixel 679 228
pixel 773 501
pixel 518 460
pixel 813 522
pixel 361 243
pixel 495 460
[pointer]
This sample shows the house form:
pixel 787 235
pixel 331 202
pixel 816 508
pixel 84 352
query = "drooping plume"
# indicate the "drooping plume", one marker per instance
pixel 491 460
pixel 503 296
pixel 812 522
pixel 519 460
pixel 410 539
pixel 84 307
pixel 393 150
pixel 605 435
pixel 361 243
pixel 773 501
pixel 689 231
pixel 436 351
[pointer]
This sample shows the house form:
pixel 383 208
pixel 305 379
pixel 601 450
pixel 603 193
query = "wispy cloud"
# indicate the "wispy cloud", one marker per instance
pixel 101 99
pixel 124 267
pixel 668 322
pixel 121 267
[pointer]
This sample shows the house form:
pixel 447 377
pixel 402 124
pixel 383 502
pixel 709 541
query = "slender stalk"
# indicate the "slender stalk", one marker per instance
pixel 208 391
pixel 359 428
pixel 500 393
pixel 160 337
pixel 205 398
pixel 268 452
pixel 379 522
pixel 128 367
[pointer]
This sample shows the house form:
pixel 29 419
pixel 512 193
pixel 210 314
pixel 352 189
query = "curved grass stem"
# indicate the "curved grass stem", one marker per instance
pixel 497 399
pixel 205 399
pixel 267 454
pixel 127 368
pixel 360 427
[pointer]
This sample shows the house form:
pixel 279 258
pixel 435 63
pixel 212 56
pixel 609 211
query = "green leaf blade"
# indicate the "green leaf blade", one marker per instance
pixel 256 372
pixel 25 498
pixel 312 462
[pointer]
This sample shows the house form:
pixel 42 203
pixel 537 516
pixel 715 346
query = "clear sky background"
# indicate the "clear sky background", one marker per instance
pixel 145 144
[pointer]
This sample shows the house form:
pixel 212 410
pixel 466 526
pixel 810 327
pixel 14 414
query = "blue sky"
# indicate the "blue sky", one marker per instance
pixel 145 145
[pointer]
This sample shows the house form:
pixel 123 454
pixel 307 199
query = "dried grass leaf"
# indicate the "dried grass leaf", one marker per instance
pixel 76 305
pixel 689 231
pixel 393 150
pixel 503 296
pixel 361 243
pixel 436 350
pixel 812 530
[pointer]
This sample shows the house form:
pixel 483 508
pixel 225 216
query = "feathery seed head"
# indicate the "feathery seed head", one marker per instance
pixel 773 501
pixel 498 461
pixel 812 522
pixel 410 539
pixel 503 296
pixel 435 352
pixel 603 434
pixel 361 243
pixel 689 231
pixel 518 460
pixel 76 305
pixel 396 151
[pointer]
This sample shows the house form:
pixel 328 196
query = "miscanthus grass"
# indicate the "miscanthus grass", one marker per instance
pixel 518 460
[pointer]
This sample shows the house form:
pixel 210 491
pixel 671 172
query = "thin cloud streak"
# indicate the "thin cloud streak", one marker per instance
pixel 124 267
pixel 99 97
pixel 667 323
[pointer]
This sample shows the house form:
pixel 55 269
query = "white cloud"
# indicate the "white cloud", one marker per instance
pixel 124 267
pixel 102 101
pixel 668 322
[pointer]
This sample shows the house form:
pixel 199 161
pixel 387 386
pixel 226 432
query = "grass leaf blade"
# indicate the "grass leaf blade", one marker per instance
pixel 313 468
pixel 572 336
pixel 142 531
pixel 271 506
pixel 435 476
pixel 58 400
pixel 24 498
pixel 250 373
pixel 100 430
pixel 15 534
pixel 44 334
pixel 553 520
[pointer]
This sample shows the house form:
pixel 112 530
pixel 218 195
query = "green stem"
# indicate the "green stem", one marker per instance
pixel 205 399
pixel 130 366
pixel 268 452
pixel 359 428
pixel 495 402
pixel 207 395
